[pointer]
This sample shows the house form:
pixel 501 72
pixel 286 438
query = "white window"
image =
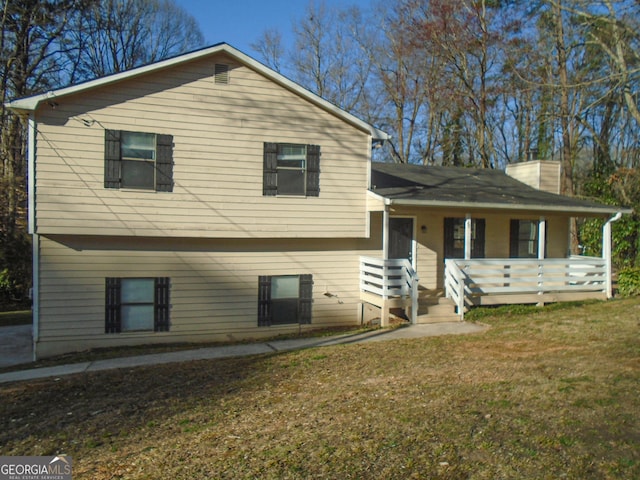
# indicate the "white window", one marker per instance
pixel 137 303
pixel 292 168
pixel 138 160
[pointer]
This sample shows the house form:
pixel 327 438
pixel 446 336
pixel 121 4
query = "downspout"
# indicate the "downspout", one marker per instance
pixel 606 251
pixel 35 288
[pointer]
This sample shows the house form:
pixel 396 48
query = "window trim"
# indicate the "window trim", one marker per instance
pixel 478 237
pixel 114 303
pixel 515 241
pixel 265 300
pixel 162 167
pixel 271 153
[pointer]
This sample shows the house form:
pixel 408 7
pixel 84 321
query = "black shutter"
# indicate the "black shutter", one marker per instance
pixel 477 250
pixel 270 169
pixel 313 170
pixel 112 322
pixel 449 224
pixel 161 305
pixel 112 162
pixel 164 163
pixel 306 299
pixel 264 301
pixel 514 235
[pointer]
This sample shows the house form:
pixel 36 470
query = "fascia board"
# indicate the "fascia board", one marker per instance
pixel 588 211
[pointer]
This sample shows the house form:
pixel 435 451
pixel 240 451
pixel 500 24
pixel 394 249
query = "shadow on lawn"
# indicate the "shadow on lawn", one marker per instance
pixel 56 415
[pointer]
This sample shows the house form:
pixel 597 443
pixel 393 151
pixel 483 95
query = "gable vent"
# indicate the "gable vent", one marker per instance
pixel 221 73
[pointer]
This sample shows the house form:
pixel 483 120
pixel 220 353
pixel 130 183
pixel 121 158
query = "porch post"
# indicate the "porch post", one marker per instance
pixel 606 251
pixel 385 233
pixel 542 237
pixel 384 309
pixel 467 237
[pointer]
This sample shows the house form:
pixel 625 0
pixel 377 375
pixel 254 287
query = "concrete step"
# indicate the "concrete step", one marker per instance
pixel 426 319
pixel 430 297
pixel 442 311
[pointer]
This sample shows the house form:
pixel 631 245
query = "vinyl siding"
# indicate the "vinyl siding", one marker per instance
pixel 214 286
pixel 218 133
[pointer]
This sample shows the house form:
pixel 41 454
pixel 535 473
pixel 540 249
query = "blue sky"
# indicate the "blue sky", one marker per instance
pixel 241 22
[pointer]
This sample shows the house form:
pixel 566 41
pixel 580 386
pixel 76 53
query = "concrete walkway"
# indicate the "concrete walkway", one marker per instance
pixel 413 331
pixel 15 345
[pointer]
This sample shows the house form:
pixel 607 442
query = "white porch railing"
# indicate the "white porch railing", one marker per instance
pixel 390 279
pixel 514 280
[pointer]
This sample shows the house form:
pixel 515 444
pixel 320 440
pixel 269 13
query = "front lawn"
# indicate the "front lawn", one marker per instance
pixel 551 393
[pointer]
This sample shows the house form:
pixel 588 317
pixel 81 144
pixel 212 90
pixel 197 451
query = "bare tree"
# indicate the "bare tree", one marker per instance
pixel 269 46
pixel 326 57
pixel 112 36
pixel 29 63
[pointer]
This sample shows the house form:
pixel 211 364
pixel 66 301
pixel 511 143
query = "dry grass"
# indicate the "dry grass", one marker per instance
pixel 550 394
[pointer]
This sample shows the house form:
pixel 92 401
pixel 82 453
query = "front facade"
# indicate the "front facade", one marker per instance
pixel 208 198
pixel 204 198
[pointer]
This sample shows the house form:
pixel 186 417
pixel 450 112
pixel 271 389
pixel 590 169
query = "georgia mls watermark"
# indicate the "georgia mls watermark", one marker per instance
pixel 35 468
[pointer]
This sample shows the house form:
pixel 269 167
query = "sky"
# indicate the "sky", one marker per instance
pixel 241 22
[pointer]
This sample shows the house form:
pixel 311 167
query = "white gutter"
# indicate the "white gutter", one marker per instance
pixel 573 211
pixel 606 251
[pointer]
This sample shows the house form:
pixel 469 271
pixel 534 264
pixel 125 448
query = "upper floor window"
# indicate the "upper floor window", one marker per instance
pixel 138 160
pixel 291 169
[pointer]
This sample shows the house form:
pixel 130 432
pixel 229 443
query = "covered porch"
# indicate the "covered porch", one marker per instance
pixel 499 242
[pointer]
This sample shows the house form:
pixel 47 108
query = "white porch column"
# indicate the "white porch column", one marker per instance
pixel 606 251
pixel 467 237
pixel 542 237
pixel 385 233
pixel 384 309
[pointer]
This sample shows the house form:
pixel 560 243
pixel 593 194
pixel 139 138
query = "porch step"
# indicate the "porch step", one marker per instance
pixel 444 310
pixel 430 297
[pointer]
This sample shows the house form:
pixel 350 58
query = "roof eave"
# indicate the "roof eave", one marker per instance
pixel 586 211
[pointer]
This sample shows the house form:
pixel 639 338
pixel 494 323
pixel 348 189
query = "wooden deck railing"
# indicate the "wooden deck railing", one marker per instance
pixel 505 281
pixel 387 279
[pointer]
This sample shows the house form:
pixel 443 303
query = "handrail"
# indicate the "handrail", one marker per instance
pixel 454 285
pixel 465 279
pixel 390 278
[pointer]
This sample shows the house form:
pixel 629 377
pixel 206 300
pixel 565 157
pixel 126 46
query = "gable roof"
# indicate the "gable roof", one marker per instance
pixel 29 104
pixel 416 185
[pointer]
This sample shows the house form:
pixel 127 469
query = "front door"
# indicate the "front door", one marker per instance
pixel 401 238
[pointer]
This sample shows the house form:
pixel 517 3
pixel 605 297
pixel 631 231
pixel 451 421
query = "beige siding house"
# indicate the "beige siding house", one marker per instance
pixel 208 198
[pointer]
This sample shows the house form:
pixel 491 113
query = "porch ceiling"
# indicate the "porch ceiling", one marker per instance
pixel 416 185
